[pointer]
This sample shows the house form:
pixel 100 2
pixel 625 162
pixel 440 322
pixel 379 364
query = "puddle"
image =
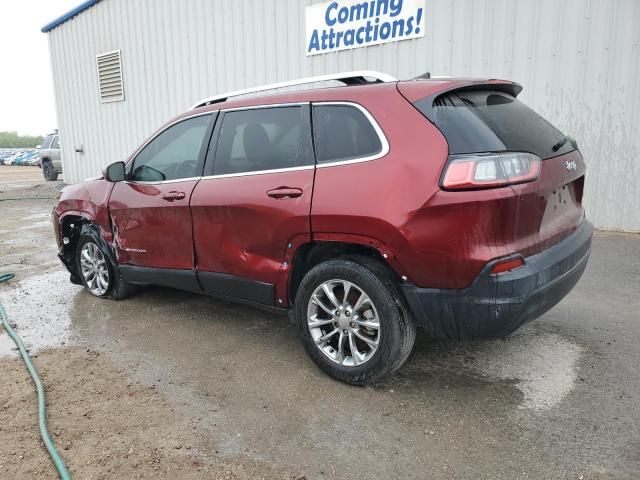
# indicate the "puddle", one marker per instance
pixel 49 311
pixel 542 365
pixel 34 225
pixel 35 216
pixel 39 307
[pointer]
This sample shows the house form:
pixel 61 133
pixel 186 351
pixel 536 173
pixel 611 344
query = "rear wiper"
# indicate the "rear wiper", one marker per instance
pixel 561 143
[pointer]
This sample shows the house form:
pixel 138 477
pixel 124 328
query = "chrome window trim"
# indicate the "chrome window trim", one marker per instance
pixel 384 150
pixel 161 182
pixel 259 172
pixel 382 137
pixel 167 127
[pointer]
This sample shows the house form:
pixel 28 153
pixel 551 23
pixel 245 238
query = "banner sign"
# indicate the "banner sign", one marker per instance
pixel 344 24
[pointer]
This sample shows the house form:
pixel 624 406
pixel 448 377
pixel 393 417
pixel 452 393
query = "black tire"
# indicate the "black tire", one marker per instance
pixel 118 288
pixel 48 172
pixel 397 328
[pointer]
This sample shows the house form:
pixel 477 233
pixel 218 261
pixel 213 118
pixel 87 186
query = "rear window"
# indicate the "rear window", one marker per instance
pixel 342 132
pixel 492 121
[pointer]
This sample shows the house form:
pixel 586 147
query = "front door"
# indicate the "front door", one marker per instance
pixel 150 210
pixel 254 200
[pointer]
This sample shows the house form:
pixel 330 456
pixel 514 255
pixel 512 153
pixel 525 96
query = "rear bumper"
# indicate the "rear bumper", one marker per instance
pixel 494 306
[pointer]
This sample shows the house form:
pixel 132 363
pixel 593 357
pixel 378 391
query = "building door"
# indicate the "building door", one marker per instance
pixel 254 200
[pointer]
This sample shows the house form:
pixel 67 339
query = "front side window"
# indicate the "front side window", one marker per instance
pixel 56 142
pixel 261 139
pixel 173 154
pixel 343 132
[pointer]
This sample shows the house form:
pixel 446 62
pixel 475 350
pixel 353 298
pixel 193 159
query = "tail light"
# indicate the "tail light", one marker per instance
pixel 491 170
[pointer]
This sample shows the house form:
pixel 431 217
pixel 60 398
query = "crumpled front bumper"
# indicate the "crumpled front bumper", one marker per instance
pixel 494 306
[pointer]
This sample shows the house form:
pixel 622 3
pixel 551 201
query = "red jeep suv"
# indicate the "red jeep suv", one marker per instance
pixel 365 210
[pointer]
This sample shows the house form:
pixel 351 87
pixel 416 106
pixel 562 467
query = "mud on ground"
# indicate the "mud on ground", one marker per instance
pixel 104 425
pixel 129 382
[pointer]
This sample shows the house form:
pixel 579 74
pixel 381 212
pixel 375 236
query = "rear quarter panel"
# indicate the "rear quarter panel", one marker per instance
pixel 374 202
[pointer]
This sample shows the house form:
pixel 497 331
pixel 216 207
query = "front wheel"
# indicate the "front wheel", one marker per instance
pixel 97 268
pixel 48 172
pixel 353 320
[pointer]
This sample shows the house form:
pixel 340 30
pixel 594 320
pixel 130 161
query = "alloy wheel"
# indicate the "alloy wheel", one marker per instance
pixel 344 323
pixel 94 269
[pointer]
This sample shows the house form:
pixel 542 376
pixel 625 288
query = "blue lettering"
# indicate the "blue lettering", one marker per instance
pixel 314 43
pixel 395 8
pixel 343 15
pixel 418 20
pixel 409 30
pixel 329 21
pixel 399 25
pixel 385 30
pixel 349 38
pixel 382 8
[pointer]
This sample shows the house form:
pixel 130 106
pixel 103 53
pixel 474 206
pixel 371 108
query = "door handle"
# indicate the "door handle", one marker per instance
pixel 171 196
pixel 284 192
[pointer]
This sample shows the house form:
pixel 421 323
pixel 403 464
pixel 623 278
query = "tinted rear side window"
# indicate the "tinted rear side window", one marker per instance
pixel 262 139
pixel 491 121
pixel 343 132
pixel 46 142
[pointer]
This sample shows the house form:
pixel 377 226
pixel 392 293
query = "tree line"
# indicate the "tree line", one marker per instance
pixel 13 140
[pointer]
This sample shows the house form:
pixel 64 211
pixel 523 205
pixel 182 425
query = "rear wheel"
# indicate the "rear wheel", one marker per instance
pixel 353 320
pixel 48 172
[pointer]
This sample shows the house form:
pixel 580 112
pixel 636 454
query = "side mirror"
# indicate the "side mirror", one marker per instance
pixel 114 172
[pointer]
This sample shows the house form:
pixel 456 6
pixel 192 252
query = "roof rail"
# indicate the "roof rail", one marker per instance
pixel 348 78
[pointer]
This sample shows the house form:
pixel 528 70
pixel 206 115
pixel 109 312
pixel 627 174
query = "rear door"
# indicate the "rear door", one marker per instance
pixel 254 200
pixel 150 210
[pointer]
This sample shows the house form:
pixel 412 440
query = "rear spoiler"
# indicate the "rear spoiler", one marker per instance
pixel 426 104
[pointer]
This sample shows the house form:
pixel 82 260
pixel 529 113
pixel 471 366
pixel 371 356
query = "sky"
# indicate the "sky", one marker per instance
pixel 27 103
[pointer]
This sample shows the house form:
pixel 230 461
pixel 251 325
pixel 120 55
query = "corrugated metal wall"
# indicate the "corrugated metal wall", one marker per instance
pixel 579 61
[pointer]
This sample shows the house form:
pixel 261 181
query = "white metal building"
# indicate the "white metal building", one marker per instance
pixel 578 60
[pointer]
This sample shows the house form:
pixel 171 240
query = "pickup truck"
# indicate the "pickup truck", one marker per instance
pixel 50 159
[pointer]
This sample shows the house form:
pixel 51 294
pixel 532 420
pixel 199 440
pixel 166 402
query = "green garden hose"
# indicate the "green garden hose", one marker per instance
pixel 26 198
pixel 63 473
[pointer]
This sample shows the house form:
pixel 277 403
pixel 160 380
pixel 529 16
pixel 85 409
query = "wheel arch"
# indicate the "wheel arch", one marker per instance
pixel 312 253
pixel 70 228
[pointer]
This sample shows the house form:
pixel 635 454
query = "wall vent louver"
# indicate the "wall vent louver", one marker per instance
pixel 110 82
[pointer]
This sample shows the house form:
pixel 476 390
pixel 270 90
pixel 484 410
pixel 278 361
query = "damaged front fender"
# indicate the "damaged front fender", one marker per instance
pixel 82 207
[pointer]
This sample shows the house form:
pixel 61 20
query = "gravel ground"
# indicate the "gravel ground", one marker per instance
pixel 104 425
pixel 166 369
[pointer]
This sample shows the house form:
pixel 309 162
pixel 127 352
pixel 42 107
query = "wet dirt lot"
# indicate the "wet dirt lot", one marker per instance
pixel 132 384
